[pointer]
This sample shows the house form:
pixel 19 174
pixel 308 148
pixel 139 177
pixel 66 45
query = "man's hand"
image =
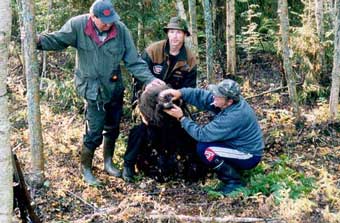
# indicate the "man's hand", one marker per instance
pixel 175 111
pixel 154 83
pixel 176 94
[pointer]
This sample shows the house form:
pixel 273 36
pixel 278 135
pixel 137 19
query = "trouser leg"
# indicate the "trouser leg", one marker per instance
pixel 226 163
pixel 111 132
pixel 136 137
pixel 91 140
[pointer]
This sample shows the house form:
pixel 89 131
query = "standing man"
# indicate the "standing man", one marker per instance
pixel 232 141
pixel 171 61
pixel 102 42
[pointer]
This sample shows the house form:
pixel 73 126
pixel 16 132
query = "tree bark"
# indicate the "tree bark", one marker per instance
pixel 220 40
pixel 230 36
pixel 6 168
pixel 334 97
pixel 33 98
pixel 319 15
pixel 180 9
pixel 209 40
pixel 140 29
pixel 291 79
pixel 44 53
pixel 193 28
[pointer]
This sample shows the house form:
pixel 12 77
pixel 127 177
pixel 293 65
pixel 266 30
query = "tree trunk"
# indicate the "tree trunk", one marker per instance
pixel 33 98
pixel 320 30
pixel 230 36
pixel 44 53
pixel 209 40
pixel 193 28
pixel 180 9
pixel 140 28
pixel 181 13
pixel 220 40
pixel 6 168
pixel 291 79
pixel 334 97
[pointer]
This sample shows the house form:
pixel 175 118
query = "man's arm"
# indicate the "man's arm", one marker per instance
pixel 219 129
pixel 200 98
pixel 58 40
pixel 133 61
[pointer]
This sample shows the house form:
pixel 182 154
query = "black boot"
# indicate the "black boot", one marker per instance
pixel 229 176
pixel 86 166
pixel 128 173
pixel 109 148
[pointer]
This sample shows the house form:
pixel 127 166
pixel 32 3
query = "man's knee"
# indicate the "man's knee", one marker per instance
pixel 93 141
pixel 206 154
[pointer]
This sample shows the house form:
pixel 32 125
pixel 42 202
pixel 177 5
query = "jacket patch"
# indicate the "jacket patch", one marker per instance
pixel 157 69
pixel 209 154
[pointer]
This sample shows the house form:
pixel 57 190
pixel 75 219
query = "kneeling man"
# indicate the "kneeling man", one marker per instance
pixel 233 140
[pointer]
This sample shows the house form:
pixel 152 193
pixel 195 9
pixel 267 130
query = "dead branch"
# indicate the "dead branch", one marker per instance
pixel 271 91
pixel 101 212
pixel 81 199
pixel 267 92
pixel 186 218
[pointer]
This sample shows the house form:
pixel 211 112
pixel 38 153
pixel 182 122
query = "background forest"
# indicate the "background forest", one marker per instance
pixel 292 83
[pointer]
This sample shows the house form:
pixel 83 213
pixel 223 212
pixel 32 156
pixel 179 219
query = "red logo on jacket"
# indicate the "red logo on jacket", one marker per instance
pixel 209 154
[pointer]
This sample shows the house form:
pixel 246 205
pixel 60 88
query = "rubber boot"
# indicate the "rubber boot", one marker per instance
pixel 229 176
pixel 128 173
pixel 86 166
pixel 109 148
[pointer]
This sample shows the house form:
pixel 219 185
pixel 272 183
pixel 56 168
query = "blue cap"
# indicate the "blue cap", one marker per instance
pixel 103 10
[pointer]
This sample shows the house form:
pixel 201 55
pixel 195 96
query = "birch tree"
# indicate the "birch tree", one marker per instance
pixel 334 97
pixel 140 29
pixel 209 40
pixel 290 76
pixel 33 98
pixel 230 37
pixel 181 13
pixel 180 9
pixel 44 53
pixel 6 169
pixel 319 15
pixel 193 28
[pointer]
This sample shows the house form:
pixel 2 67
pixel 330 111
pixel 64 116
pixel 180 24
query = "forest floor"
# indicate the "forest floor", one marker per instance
pixel 308 151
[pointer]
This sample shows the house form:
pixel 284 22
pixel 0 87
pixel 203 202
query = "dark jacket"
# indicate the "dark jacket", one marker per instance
pixel 98 75
pixel 183 73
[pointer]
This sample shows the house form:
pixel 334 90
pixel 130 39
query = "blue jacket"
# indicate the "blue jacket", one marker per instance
pixel 236 126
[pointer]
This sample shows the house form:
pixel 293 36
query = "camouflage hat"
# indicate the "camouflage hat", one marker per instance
pixel 226 88
pixel 177 23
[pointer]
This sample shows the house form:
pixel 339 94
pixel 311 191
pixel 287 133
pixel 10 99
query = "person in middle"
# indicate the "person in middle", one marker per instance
pixel 172 62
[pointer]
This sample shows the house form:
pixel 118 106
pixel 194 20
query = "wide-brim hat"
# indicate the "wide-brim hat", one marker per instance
pixel 103 10
pixel 227 88
pixel 177 23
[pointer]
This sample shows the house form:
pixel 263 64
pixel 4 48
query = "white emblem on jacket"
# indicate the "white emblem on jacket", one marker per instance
pixel 157 69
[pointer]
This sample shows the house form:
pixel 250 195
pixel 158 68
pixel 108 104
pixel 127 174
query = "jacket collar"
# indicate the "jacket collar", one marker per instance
pixel 91 32
pixel 182 52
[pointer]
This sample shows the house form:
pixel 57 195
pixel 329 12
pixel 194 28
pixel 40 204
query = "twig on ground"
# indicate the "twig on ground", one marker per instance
pixel 81 199
pixel 102 212
pixel 212 219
